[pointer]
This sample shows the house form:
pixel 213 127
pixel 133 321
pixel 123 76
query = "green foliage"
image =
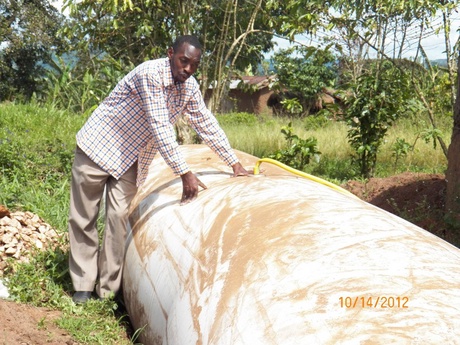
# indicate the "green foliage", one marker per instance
pixel 41 281
pixel 400 149
pixel 298 152
pixel 292 106
pixel 413 109
pixel 334 169
pixel 79 91
pixel 36 151
pixel 237 119
pixel 27 38
pixel 304 72
pixel 431 135
pixel 439 91
pixel 377 102
pixel 291 17
pixel 317 121
pixel 132 31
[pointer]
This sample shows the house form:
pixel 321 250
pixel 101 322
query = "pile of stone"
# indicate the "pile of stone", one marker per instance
pixel 21 233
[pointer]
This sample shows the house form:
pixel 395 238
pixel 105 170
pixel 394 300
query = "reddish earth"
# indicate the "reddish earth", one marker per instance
pixel 22 324
pixel 416 197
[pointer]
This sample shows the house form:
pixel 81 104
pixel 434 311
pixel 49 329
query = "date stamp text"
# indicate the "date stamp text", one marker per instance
pixel 374 302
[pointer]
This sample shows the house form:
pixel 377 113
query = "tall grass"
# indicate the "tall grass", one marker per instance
pixel 261 135
pixel 36 152
pixel 425 157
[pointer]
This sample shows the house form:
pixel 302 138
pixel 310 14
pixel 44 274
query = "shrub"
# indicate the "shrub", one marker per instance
pixel 298 151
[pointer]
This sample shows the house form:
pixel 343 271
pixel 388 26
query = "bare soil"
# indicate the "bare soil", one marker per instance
pixel 416 197
pixel 22 324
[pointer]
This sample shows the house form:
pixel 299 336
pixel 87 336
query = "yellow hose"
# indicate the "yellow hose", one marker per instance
pixel 300 173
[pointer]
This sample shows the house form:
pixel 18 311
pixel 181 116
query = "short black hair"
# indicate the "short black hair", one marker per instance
pixel 190 39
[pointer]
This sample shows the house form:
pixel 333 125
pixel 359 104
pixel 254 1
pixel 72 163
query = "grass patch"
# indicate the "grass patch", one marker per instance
pixel 36 153
pixel 263 137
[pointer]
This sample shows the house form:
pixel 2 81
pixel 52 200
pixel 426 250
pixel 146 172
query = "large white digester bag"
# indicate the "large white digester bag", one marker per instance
pixel 276 258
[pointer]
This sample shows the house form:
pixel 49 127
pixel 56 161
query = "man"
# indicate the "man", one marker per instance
pixel 114 149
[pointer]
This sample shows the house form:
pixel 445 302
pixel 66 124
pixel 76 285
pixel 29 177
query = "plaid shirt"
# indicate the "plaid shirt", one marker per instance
pixel 136 121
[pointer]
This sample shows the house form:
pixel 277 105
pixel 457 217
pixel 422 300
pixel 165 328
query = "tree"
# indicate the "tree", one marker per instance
pixel 28 39
pixel 424 12
pixel 237 45
pixel 304 72
pixel 234 33
pixel 378 99
pixel 453 167
pixel 133 31
pixel 137 30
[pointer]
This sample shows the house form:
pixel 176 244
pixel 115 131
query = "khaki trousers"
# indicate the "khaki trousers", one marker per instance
pixel 89 264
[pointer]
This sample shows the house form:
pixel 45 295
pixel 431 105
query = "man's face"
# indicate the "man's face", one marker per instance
pixel 184 61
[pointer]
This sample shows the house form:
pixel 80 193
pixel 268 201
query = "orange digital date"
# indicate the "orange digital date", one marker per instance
pixel 374 302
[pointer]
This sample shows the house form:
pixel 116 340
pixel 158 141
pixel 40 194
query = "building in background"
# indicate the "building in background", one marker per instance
pixel 248 94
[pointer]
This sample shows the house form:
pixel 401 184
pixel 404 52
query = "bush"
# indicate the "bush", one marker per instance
pixel 316 121
pixel 298 151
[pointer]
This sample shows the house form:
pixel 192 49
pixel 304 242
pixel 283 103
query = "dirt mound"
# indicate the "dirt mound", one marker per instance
pixel 22 324
pixel 415 196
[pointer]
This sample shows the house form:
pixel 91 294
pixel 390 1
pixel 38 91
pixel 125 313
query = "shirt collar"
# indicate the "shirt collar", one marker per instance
pixel 168 77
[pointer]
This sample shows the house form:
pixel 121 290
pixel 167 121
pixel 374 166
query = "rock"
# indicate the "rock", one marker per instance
pixel 10 251
pixel 20 232
pixel 4 212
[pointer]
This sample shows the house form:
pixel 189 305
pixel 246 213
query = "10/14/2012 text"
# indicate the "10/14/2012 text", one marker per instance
pixel 374 302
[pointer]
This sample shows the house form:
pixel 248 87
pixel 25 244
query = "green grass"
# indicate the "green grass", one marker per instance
pixel 425 157
pixel 258 136
pixel 36 153
pixel 264 136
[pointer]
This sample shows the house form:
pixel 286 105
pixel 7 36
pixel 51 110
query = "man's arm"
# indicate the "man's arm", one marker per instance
pixel 207 127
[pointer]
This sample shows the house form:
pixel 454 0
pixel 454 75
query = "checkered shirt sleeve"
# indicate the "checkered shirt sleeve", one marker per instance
pixel 207 127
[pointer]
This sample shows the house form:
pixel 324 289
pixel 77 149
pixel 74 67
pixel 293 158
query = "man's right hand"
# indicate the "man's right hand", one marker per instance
pixel 190 184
